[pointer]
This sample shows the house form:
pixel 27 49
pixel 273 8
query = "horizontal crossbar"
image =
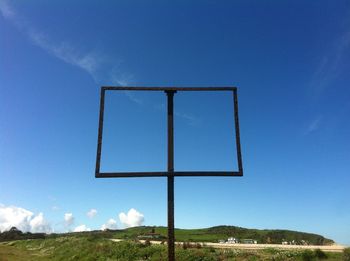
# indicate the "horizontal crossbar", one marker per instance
pixel 166 174
pixel 113 88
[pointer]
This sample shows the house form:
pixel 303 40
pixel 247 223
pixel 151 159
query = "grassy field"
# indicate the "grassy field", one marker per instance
pixel 94 247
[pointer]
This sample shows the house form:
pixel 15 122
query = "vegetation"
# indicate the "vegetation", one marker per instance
pixel 91 247
pixel 96 245
pixel 347 254
pixel 214 234
pixel 15 234
pixel 271 236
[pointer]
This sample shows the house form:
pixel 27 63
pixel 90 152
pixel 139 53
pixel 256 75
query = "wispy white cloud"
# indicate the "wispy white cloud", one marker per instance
pixel 55 208
pixel 132 219
pixel 331 65
pixel 118 77
pixel 91 213
pixel 91 62
pixel 103 70
pixel 313 125
pixel 24 220
pixel 133 97
pixel 189 118
pixel 52 198
pixel 6 10
pixel 98 65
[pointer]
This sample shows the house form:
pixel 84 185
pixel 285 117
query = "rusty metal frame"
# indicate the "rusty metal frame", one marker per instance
pixel 168 173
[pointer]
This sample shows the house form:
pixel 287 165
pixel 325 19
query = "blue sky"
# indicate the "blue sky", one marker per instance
pixel 289 59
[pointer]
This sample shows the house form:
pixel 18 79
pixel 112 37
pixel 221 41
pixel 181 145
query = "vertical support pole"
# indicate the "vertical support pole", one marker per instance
pixel 238 144
pixel 171 234
pixel 100 131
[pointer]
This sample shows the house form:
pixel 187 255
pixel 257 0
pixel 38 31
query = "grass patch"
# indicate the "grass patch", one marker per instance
pixel 90 247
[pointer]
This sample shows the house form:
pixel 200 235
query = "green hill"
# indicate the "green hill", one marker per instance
pixel 212 234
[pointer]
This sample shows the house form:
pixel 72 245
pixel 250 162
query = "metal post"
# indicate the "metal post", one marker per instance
pixel 238 142
pixel 171 235
pixel 171 173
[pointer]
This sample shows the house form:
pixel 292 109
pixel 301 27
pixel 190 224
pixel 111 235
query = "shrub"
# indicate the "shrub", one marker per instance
pixel 211 249
pixel 147 243
pixel 307 255
pixel 198 245
pixel 320 254
pixel 270 250
pixel 346 254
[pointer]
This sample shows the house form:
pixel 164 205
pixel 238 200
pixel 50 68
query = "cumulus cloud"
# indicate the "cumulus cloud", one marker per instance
pixel 39 224
pixel 110 224
pixel 81 228
pixel 132 219
pixel 68 219
pixel 91 213
pixel 23 219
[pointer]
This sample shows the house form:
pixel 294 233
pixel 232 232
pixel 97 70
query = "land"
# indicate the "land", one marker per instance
pixel 149 243
pixel 90 247
pixel 208 235
pixel 328 248
pixel 214 234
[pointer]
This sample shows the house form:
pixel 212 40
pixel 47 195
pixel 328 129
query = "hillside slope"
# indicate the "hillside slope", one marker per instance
pixel 213 234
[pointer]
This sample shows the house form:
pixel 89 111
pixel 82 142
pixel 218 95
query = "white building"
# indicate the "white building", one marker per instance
pixel 232 240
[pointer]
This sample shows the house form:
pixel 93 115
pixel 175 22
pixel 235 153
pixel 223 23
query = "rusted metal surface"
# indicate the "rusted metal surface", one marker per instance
pixel 170 119
pixel 100 131
pixel 170 173
pixel 238 138
pixel 99 174
pixel 112 88
pixel 165 174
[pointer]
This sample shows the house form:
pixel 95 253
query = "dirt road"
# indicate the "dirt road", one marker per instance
pixel 331 248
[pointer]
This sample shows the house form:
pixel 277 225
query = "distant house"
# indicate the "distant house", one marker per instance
pixel 249 241
pixel 232 240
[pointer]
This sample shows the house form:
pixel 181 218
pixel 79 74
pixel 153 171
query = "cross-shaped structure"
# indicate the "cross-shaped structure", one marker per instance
pixel 171 172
